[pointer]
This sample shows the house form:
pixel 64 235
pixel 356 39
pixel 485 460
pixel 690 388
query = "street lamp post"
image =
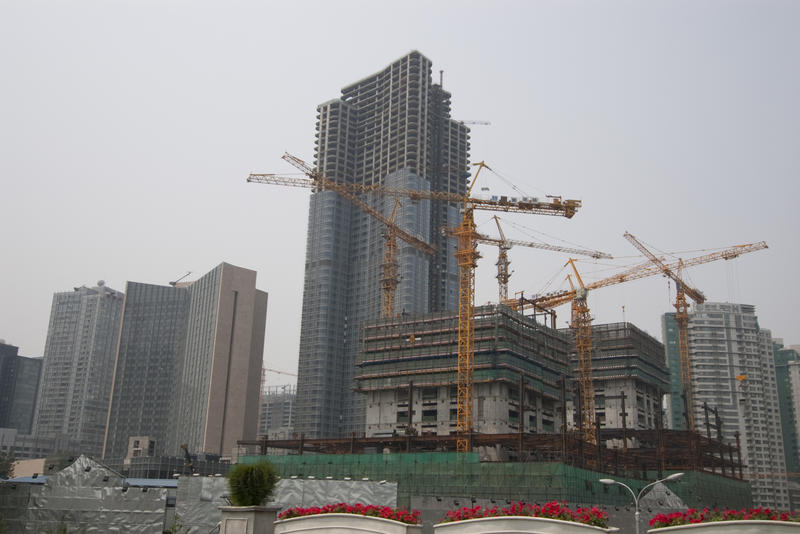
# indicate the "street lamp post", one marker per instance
pixel 611 481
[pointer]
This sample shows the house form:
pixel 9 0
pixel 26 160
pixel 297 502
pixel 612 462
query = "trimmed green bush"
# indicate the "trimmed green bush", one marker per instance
pixel 250 484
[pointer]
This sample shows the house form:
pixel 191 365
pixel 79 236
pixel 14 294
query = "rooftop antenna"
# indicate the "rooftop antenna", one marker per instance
pixel 173 284
pixel 441 79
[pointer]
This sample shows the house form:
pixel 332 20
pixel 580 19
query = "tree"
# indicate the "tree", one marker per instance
pixel 6 465
pixel 250 484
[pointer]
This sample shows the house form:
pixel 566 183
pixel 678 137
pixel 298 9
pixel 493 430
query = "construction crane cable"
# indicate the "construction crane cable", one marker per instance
pixel 530 231
pixel 511 184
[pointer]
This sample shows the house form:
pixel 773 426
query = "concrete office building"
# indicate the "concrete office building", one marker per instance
pixel 392 128
pixel 78 366
pixel 407 368
pixel 188 363
pixel 733 372
pixel 19 384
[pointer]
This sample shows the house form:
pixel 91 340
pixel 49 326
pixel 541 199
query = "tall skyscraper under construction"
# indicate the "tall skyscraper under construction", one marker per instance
pixel 391 128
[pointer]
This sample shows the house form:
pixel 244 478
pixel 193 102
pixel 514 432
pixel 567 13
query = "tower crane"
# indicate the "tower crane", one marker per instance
pixel 390 277
pixel 316 181
pixel 466 253
pixel 681 318
pixel 581 321
pixel 581 325
pixel 504 245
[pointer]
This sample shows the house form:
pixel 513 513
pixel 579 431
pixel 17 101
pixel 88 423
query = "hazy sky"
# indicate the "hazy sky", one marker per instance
pixel 128 128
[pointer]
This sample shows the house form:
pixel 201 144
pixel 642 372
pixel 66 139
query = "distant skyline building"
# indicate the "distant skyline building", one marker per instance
pixel 276 419
pixel 733 372
pixel 188 365
pixel 78 365
pixel 787 371
pixel 19 384
pixel 392 128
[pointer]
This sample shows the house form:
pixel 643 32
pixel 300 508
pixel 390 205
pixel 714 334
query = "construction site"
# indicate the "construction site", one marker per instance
pixel 455 401
pixel 527 442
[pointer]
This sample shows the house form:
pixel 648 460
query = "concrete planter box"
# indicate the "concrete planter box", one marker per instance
pixel 517 525
pixel 344 524
pixel 248 519
pixel 733 527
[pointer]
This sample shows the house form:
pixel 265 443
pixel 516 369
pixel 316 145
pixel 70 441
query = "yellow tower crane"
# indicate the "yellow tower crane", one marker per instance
pixel 390 277
pixel 581 325
pixel 681 318
pixel 316 181
pixel 466 253
pixel 504 245
pixel 581 321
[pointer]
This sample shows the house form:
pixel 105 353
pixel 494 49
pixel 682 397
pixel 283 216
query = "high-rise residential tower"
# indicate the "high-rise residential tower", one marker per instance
pixel 733 372
pixel 78 365
pixel 188 365
pixel 19 384
pixel 391 128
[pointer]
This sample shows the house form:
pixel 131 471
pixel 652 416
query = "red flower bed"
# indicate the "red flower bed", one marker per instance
pixel 385 512
pixel 552 510
pixel 706 515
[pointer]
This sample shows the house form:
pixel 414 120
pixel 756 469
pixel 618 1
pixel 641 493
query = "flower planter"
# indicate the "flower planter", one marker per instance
pixel 247 519
pixel 344 524
pixel 517 525
pixel 749 526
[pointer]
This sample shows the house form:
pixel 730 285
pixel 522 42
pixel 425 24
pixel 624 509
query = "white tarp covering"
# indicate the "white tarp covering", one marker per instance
pixel 89 498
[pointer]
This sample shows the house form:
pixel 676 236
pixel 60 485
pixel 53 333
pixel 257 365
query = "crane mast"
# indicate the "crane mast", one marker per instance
pixel 390 277
pixel 503 273
pixel 467 258
pixel 504 245
pixel 581 325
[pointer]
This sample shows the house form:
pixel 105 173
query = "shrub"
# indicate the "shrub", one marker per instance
pixel 385 512
pixel 250 484
pixel 692 515
pixel 552 510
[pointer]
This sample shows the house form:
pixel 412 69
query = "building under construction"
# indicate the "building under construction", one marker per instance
pixel 523 386
pixel 407 369
pixel 630 377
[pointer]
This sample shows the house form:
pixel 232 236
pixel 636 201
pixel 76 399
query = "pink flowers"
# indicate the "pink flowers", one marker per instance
pixel 552 510
pixel 693 515
pixel 385 512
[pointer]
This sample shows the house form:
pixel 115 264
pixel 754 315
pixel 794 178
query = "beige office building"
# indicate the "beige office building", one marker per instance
pixel 188 365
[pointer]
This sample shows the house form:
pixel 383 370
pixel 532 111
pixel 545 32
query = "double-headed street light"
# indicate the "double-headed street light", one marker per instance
pixel 611 481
